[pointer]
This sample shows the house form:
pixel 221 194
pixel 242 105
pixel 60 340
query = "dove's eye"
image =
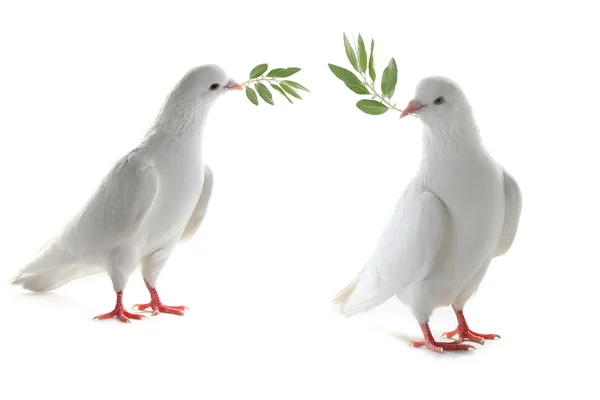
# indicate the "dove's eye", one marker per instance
pixel 439 100
pixel 214 86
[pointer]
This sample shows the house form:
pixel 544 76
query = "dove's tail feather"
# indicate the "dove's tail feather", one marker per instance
pixel 343 295
pixel 53 268
pixel 362 294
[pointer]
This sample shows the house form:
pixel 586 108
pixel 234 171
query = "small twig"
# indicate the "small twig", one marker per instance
pixel 261 79
pixel 383 100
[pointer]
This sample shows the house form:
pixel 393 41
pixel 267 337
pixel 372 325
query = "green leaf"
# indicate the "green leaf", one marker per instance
pixel 251 94
pixel 274 72
pixel 371 107
pixel 349 79
pixel 290 90
pixel 344 74
pixel 296 85
pixel 289 72
pixel 264 93
pixel 258 70
pixel 362 54
pixel 372 73
pixel 274 86
pixel 282 72
pixel 358 89
pixel 389 79
pixel 350 53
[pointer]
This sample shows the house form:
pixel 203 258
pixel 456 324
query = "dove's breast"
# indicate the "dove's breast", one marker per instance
pixel 473 194
pixel 181 178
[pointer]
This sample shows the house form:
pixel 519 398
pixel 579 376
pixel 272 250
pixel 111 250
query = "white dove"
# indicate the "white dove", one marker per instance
pixel 460 211
pixel 155 197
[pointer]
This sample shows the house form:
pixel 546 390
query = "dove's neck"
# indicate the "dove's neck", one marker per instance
pixel 179 124
pixel 444 141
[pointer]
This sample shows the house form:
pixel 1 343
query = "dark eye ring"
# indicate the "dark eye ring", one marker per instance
pixel 214 86
pixel 439 100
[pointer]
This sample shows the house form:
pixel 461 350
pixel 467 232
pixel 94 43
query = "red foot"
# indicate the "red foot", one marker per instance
pixel 466 334
pixel 157 306
pixel 438 347
pixel 120 312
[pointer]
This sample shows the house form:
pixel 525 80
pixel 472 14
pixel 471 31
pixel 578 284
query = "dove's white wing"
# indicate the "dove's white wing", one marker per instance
pixel 404 254
pixel 200 210
pixel 117 209
pixel 512 213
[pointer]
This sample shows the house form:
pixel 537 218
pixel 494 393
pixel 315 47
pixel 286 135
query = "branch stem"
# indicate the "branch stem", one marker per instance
pixel 256 80
pixel 371 86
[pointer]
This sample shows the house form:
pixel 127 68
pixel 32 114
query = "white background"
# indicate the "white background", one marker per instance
pixel 301 195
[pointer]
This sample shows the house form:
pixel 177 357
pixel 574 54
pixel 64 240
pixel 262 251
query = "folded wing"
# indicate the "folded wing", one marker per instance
pixel 117 209
pixel 200 210
pixel 512 214
pixel 404 254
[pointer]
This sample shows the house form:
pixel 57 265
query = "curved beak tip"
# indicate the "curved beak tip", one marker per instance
pixel 233 85
pixel 413 106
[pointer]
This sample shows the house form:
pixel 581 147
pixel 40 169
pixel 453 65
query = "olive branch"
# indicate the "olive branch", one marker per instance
pixel 365 82
pixel 275 79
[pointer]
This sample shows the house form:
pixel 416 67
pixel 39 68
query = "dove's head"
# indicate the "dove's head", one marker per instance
pixel 206 83
pixel 437 99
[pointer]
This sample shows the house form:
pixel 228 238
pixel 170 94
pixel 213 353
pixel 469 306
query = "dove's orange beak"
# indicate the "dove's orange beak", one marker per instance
pixel 413 105
pixel 234 85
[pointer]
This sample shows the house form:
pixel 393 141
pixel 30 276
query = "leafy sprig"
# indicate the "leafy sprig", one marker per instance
pixel 259 78
pixel 365 83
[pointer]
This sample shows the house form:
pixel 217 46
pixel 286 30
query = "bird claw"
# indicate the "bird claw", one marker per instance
pixel 120 313
pixel 157 308
pixel 467 335
pixel 440 347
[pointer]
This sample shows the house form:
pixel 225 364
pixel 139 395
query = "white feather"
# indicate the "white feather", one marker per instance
pixel 460 211
pixel 200 210
pixel 141 210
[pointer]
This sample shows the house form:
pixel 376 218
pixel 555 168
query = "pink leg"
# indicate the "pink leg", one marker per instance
pixel 465 333
pixel 438 347
pixel 157 306
pixel 120 311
